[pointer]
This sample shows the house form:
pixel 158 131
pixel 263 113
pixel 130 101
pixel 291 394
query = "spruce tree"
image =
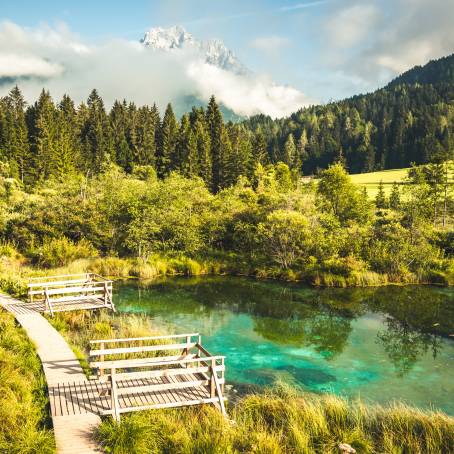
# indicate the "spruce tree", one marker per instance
pixel 96 134
pixel 394 198
pixel 380 198
pixel 167 142
pixel 44 136
pixel 289 156
pixel 216 131
pixel 259 148
pixel 15 136
pixel 203 144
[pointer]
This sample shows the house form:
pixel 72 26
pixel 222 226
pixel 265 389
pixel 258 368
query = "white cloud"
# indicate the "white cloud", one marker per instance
pixel 246 95
pixel 121 69
pixel 378 40
pixel 270 44
pixel 24 66
pixel 351 25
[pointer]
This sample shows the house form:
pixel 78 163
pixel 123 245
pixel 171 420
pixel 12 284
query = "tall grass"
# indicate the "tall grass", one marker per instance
pixel 282 421
pixel 23 413
pixel 79 327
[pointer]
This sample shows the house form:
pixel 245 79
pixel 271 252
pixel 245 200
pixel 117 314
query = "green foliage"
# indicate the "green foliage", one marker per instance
pixel 339 196
pixel 23 412
pixel 281 421
pixel 62 251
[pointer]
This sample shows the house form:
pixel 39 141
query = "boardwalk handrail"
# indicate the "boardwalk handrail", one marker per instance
pixel 132 339
pixel 71 289
pixel 190 370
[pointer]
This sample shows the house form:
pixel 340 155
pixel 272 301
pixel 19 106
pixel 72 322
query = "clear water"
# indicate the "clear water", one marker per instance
pixel 379 344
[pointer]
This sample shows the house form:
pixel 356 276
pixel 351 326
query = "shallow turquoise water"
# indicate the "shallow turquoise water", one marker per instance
pixel 380 344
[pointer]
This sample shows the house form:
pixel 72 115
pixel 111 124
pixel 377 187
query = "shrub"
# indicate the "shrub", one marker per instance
pixel 62 251
pixel 111 266
pixel 22 394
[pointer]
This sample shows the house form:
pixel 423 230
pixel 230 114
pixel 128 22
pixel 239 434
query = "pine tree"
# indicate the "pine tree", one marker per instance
pixel 66 154
pixel 289 156
pixel 119 120
pixel 181 156
pixel 259 148
pixel 204 164
pixel 168 134
pixel 15 136
pixel 394 198
pixel 96 134
pixel 44 136
pixel 216 131
pixel 380 198
pixel 146 135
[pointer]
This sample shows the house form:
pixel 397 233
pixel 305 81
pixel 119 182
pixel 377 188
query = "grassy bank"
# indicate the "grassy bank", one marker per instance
pixel 15 271
pixel 281 420
pixel 23 412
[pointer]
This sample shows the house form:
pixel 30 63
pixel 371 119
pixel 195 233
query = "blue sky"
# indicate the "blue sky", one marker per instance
pixel 327 49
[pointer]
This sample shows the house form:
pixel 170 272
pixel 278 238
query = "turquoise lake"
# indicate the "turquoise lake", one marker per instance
pixel 379 344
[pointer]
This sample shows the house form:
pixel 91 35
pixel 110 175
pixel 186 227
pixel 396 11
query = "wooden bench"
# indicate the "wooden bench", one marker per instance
pixel 70 292
pixel 158 372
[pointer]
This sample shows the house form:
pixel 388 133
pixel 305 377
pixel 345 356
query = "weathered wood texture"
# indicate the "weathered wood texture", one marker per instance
pixel 181 374
pixel 73 434
pixel 143 373
pixel 86 291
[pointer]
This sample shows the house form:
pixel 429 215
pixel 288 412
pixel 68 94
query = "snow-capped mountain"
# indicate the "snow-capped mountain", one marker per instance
pixel 177 38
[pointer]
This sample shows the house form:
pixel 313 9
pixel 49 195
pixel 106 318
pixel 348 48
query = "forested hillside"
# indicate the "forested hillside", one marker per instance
pixel 409 121
pixel 393 127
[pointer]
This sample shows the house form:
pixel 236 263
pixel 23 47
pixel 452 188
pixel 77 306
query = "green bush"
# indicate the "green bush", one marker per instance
pixel 282 421
pixel 23 412
pixel 61 251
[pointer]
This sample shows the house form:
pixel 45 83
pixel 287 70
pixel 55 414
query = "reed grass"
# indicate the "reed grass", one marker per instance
pixel 24 424
pixel 282 422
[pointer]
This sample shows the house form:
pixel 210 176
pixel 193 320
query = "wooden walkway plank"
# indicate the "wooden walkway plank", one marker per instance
pixel 73 433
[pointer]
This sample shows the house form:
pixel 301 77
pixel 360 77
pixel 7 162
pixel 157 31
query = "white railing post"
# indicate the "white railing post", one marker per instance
pixel 114 396
pixel 212 380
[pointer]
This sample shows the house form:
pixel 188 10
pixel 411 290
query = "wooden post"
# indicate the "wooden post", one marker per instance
pixel 101 369
pixel 212 382
pixel 115 404
pixel 105 293
pixel 222 376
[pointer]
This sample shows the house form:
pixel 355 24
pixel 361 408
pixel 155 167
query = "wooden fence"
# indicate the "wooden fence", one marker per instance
pixel 159 372
pixel 70 292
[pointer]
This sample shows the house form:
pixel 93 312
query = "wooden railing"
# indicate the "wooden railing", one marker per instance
pixel 175 359
pixel 70 288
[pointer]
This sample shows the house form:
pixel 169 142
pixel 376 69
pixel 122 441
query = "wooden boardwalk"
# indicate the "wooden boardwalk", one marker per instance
pixel 73 430
pixel 133 374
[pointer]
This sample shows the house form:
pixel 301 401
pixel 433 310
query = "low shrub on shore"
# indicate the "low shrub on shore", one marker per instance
pixel 23 413
pixel 282 421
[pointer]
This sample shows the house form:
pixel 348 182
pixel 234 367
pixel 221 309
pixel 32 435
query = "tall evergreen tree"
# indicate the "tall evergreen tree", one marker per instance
pixel 380 198
pixel 394 198
pixel 166 152
pixel 96 134
pixel 15 135
pixel 218 142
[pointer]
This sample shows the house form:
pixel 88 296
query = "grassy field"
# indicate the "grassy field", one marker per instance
pixel 371 180
pixel 281 420
pixel 24 424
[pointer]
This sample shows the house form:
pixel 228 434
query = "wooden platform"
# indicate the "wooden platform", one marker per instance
pixel 73 434
pixel 93 396
pixel 85 304
pixel 86 291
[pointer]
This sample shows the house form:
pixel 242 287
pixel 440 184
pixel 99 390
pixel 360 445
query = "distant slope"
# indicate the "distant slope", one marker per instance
pixel 434 72
pixel 403 123
pixel 371 180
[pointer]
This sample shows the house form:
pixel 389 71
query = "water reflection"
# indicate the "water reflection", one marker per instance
pixel 345 340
